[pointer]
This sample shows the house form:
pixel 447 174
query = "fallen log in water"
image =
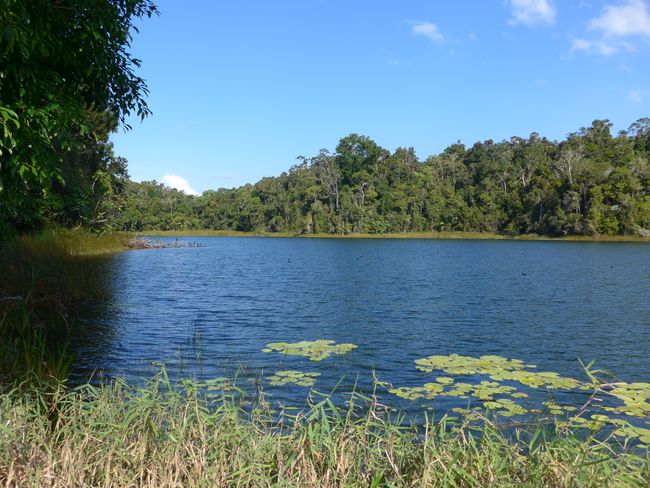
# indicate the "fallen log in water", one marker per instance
pixel 142 243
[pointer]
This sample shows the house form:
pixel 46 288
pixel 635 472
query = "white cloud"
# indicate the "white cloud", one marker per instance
pixel 428 30
pixel 600 46
pixel 532 12
pixel 581 45
pixel 636 96
pixel 616 28
pixel 618 21
pixel 179 183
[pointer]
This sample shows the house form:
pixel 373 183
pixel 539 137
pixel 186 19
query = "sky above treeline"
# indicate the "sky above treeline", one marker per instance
pixel 239 89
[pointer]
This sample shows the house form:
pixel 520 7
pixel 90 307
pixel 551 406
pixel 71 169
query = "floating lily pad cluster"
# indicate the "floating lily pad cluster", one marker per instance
pixel 484 391
pixel 293 378
pixel 595 422
pixel 314 350
pixel 216 384
pixel 635 398
pixel 634 432
pixel 636 404
pixel 467 365
pixel 498 369
pixel 214 387
pixel 495 396
pixel 500 399
pixel 558 409
pixel 621 427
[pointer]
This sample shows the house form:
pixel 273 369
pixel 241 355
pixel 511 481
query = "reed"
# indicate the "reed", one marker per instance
pixel 42 278
pixel 116 435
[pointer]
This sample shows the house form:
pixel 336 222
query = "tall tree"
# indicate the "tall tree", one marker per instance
pixel 58 60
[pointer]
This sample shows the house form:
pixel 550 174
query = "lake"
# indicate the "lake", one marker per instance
pixel 208 312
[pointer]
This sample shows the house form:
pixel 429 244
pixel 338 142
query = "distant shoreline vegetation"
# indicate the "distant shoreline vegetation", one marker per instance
pixel 590 184
pixel 483 236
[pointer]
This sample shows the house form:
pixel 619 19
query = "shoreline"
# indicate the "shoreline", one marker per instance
pixel 400 235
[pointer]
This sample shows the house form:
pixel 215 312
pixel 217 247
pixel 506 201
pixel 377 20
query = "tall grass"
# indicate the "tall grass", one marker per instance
pixel 54 268
pixel 114 435
pixel 42 278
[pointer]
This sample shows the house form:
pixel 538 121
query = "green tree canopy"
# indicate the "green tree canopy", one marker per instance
pixel 60 60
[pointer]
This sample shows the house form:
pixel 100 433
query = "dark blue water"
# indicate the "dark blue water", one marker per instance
pixel 206 312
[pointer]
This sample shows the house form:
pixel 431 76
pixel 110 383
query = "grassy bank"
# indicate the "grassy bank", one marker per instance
pixel 43 278
pixel 118 436
pixel 401 235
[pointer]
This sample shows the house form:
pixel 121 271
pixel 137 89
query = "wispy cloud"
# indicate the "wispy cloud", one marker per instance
pixel 616 29
pixel 428 30
pixel 179 183
pixel 599 46
pixel 532 12
pixel 636 96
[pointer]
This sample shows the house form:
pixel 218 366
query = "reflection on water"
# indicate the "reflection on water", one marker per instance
pixel 207 312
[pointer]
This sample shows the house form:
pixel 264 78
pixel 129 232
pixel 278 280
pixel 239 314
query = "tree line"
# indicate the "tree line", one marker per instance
pixel 592 182
pixel 68 79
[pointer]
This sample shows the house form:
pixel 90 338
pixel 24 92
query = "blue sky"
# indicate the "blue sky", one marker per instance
pixel 239 89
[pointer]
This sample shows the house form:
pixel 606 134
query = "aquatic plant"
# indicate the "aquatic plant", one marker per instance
pixel 635 397
pixel 467 365
pixel 498 369
pixel 220 383
pixel 293 378
pixel 314 350
pixel 485 391
pixel 499 398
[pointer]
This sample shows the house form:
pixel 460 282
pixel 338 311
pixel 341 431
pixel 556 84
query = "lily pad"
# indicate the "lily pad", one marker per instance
pixel 216 384
pixel 635 397
pixel 293 378
pixel 467 365
pixel 314 350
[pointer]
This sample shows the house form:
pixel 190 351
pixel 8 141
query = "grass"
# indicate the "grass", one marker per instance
pixel 156 436
pixel 52 268
pixel 400 235
pixel 44 277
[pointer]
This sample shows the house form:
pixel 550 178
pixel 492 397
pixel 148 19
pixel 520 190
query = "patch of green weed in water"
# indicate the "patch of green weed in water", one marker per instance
pixel 314 350
pixel 298 378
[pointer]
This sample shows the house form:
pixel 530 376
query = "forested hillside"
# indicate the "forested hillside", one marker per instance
pixel 590 183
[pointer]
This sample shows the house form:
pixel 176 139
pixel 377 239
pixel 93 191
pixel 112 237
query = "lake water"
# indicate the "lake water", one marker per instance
pixel 208 312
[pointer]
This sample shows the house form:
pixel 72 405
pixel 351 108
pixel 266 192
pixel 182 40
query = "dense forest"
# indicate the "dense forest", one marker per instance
pixel 590 183
pixel 67 80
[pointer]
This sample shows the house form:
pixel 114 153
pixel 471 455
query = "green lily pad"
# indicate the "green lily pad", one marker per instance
pixel 298 378
pixel 216 384
pixel 445 380
pixel 314 350
pixel 635 398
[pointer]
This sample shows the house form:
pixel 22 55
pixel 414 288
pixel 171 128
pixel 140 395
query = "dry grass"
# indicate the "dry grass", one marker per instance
pixel 157 437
